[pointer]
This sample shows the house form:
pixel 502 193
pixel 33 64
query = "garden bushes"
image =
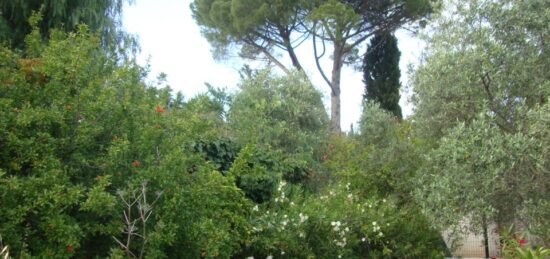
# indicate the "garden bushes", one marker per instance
pixel 83 137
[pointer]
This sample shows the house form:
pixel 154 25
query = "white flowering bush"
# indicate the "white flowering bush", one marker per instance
pixel 334 223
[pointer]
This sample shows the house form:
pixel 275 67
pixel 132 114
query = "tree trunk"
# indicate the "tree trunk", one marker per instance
pixel 294 59
pixel 335 90
pixel 290 49
pixel 485 238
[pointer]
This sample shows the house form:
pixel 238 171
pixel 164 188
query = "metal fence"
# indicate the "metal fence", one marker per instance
pixel 472 245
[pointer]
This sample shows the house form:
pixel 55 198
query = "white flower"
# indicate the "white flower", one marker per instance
pixel 303 217
pixel 341 244
pixel 347 229
pixel 301 234
pixel 282 252
pixel 269 257
pixel 363 239
pixel 255 208
pixel 250 257
pixel 383 200
pixel 281 185
pixel 336 225
pixel 291 203
pixel 380 234
pixel 374 223
pixel 350 196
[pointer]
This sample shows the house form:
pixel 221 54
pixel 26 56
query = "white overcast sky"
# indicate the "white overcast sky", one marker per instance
pixel 171 41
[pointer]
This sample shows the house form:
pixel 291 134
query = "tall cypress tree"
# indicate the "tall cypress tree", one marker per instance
pixel 381 73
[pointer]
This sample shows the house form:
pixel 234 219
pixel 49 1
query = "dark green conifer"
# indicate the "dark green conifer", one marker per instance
pixel 381 73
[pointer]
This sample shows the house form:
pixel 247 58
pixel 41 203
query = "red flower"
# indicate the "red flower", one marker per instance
pixel 522 242
pixel 136 163
pixel 159 109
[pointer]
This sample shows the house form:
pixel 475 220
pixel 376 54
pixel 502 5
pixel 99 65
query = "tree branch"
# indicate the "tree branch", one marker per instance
pixel 269 56
pixel 317 57
pixel 486 83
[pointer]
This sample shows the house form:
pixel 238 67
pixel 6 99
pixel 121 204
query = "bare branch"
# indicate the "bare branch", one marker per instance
pixel 145 210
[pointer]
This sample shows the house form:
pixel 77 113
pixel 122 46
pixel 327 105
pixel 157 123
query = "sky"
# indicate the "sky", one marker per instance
pixel 171 43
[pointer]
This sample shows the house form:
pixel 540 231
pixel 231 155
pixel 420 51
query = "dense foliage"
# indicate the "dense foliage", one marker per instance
pixel 381 73
pixel 284 113
pixel 102 16
pixel 481 98
pixel 95 161
pixel 77 128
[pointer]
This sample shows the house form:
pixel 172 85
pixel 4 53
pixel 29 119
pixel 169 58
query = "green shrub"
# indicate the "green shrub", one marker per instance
pixel 76 127
pixel 221 151
pixel 390 156
pixel 339 223
pixel 281 112
pixel 257 172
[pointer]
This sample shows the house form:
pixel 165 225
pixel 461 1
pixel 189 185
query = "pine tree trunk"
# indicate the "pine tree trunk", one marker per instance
pixel 335 91
pixel 294 59
pixel 290 50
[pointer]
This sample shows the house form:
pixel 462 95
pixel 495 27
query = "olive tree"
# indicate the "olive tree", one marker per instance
pixel 481 97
